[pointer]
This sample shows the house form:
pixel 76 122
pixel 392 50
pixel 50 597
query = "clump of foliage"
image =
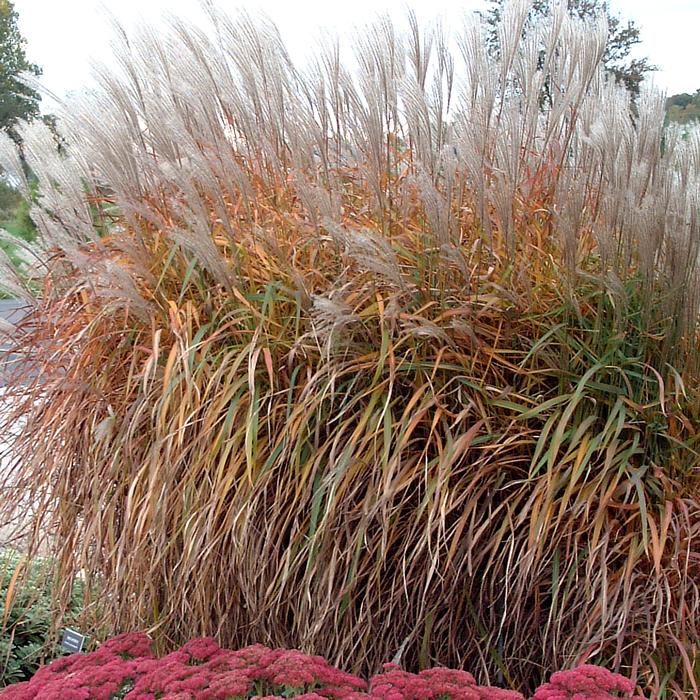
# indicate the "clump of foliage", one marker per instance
pixel 16 221
pixel 622 36
pixel 26 638
pixel 396 360
pixel 683 108
pixel 10 201
pixel 125 667
pixel 18 101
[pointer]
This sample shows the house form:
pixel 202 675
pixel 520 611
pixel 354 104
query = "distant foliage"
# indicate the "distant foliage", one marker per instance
pixel 10 201
pixel 18 103
pixel 17 100
pixel 16 221
pixel 622 36
pixel 684 108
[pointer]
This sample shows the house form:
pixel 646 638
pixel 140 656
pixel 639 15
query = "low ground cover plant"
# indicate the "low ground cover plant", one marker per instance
pixel 125 667
pixel 26 615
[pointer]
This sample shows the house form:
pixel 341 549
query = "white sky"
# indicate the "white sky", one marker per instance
pixel 63 37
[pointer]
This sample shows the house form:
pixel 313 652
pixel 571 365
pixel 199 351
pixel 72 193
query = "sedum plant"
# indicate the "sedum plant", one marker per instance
pixel 398 359
pixel 125 667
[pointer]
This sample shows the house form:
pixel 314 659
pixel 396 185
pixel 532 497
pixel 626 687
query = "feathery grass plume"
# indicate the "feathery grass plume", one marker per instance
pixel 357 362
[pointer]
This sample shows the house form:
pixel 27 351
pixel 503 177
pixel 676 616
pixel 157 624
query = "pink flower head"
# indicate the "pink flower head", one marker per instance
pixel 132 645
pixel 586 682
pixel 201 649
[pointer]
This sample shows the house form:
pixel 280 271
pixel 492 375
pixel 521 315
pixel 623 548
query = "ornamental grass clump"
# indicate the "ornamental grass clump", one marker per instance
pixel 393 360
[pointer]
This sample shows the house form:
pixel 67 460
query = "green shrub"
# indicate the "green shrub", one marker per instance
pixel 20 223
pixel 10 200
pixel 26 616
pixel 15 220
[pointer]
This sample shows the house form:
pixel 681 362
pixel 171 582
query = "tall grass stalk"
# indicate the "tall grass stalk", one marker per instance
pixel 399 358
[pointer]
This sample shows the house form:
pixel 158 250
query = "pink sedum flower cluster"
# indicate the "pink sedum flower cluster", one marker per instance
pixel 433 684
pixel 584 683
pixel 125 667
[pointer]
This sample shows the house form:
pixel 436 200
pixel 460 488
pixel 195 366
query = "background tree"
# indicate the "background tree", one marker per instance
pixel 623 37
pixel 683 108
pixel 17 100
